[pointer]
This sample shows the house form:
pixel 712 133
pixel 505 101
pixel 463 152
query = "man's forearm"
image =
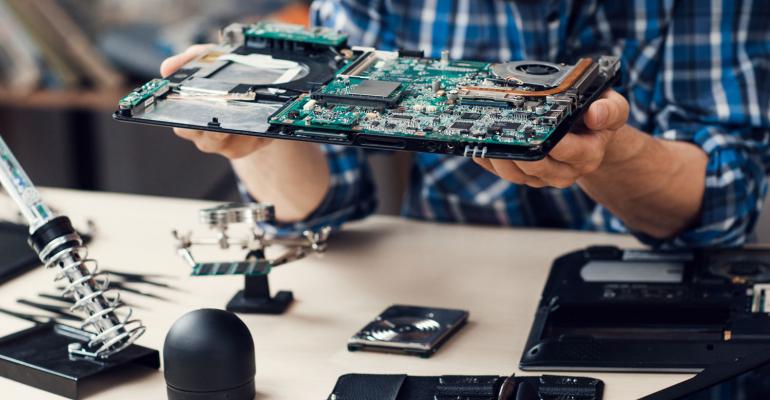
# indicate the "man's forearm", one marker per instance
pixel 294 176
pixel 654 186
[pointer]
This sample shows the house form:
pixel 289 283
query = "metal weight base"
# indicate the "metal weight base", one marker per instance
pixel 38 357
pixel 255 298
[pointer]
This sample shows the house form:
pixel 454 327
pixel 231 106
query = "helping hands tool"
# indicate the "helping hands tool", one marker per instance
pixel 255 298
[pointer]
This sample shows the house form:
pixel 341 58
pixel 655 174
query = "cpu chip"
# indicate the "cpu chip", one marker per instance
pixel 462 125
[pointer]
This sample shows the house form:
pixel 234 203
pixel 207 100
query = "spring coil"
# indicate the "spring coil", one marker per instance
pixel 87 286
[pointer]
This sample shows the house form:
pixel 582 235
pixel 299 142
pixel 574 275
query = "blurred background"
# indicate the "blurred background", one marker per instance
pixel 64 64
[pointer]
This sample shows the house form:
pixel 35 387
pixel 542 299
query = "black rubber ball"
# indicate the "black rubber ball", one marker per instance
pixel 209 354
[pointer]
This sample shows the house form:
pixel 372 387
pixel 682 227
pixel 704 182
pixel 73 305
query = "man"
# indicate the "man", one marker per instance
pixel 678 156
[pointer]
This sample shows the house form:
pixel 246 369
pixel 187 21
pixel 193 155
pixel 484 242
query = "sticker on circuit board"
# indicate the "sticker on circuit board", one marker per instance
pixel 409 330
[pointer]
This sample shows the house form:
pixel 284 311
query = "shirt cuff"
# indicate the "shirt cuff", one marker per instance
pixel 735 188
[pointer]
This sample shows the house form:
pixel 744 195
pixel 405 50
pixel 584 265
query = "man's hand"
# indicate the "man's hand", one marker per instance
pixel 655 186
pixel 577 154
pixel 230 146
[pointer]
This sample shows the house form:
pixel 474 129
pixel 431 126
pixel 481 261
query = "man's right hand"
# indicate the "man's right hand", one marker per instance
pixel 231 146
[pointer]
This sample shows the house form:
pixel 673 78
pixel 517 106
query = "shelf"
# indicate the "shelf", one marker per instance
pixel 107 99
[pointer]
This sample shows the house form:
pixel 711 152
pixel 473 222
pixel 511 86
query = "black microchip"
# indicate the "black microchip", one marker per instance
pixel 401 116
pixel 471 115
pixel 529 131
pixel 498 127
pixel 462 125
pixel 508 125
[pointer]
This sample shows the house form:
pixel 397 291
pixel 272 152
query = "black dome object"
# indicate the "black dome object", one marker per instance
pixel 209 354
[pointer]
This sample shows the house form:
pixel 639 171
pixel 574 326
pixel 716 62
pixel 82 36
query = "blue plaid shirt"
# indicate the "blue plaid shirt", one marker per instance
pixel 693 70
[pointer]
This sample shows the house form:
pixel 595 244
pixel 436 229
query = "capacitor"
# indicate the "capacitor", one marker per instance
pixel 518 101
pixel 445 58
pixel 436 86
pixel 539 110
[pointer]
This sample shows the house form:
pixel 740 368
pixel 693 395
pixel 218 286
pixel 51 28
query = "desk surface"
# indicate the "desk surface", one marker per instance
pixel 495 273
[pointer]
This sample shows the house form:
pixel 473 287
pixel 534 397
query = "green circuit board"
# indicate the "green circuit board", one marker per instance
pixel 316 88
pixel 144 95
pixel 417 97
pixel 295 33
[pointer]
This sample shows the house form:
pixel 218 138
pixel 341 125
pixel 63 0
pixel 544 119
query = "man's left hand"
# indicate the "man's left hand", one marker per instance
pixel 577 154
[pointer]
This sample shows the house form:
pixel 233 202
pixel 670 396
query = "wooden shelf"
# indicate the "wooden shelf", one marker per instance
pixel 107 99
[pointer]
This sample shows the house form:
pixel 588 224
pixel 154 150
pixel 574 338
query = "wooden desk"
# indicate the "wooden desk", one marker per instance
pixel 495 273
